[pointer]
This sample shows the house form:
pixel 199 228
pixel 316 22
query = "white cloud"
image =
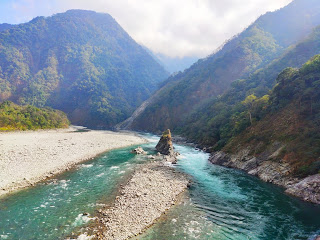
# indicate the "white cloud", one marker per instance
pixel 175 28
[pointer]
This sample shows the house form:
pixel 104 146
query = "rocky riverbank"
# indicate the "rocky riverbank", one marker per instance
pixel 152 190
pixel 269 170
pixel 32 156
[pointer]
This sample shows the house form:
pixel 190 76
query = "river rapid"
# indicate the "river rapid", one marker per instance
pixel 221 203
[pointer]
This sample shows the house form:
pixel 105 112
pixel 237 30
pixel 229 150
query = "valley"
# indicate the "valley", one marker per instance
pixel 86 94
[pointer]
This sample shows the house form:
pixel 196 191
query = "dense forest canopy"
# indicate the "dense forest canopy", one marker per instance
pixel 291 117
pixel 15 117
pixel 5 26
pixel 80 62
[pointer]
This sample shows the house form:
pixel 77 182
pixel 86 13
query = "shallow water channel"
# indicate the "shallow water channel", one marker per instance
pixel 221 204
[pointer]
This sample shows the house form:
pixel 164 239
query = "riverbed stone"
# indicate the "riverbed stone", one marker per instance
pixel 152 190
pixel 139 151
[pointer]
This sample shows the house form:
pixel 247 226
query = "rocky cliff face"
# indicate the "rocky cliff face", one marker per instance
pixel 269 170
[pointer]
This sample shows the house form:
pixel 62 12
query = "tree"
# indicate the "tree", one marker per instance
pixel 249 102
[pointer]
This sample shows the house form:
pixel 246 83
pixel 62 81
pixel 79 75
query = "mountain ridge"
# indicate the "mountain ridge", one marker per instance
pixel 80 62
pixel 240 57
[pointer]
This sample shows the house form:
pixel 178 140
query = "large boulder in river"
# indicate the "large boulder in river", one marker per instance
pixel 165 146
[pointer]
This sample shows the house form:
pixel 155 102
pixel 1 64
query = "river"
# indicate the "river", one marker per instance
pixel 221 204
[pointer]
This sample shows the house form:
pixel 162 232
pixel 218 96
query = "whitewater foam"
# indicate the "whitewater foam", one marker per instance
pixel 81 219
pixel 64 184
pixel 86 165
pixel 84 237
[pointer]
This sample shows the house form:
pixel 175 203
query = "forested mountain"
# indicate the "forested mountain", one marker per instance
pixel 187 94
pixel 5 26
pixel 222 118
pixel 291 118
pixel 80 62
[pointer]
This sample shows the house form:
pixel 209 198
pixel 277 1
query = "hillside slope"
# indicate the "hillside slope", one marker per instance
pixel 262 42
pixel 5 26
pixel 80 62
pixel 283 147
pixel 292 117
pixel 222 118
pixel 15 117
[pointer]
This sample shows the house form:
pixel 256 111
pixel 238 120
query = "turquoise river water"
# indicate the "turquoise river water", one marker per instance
pixel 221 204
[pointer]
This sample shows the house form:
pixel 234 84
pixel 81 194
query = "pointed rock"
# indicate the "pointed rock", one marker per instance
pixel 165 146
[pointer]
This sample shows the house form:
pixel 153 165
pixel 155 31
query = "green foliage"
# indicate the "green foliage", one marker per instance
pixel 5 26
pixel 80 62
pixel 250 101
pixel 254 105
pixel 301 86
pixel 291 117
pixel 15 117
pixel 166 134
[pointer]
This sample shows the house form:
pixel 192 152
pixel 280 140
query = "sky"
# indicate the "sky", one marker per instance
pixel 175 28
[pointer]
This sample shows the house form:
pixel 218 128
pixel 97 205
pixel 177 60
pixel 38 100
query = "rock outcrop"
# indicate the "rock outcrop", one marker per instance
pixel 266 169
pixel 308 189
pixel 270 170
pixel 165 147
pixel 138 151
